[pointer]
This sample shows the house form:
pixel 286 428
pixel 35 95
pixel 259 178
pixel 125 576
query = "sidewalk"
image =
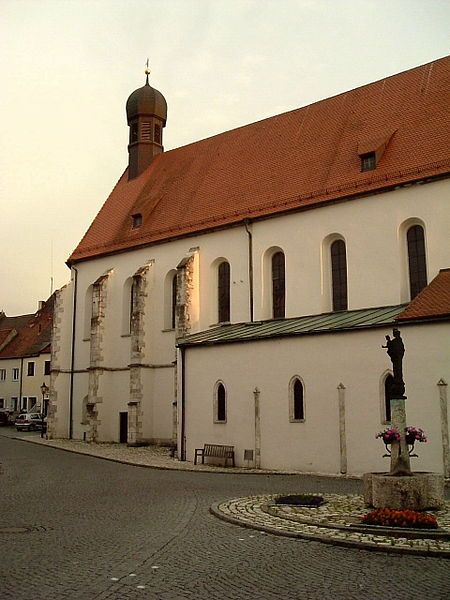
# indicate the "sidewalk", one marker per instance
pixel 155 457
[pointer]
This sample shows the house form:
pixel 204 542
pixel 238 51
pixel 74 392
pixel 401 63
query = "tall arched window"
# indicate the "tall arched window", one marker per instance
pixel 223 292
pixel 339 275
pixel 416 260
pixel 296 400
pixel 220 404
pixel 174 302
pixel 278 286
pixel 388 382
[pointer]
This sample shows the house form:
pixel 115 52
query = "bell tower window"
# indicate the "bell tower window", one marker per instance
pixel 133 133
pixel 146 130
pixel 157 134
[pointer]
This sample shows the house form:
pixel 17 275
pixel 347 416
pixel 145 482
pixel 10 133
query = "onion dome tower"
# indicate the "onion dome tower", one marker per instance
pixel 146 116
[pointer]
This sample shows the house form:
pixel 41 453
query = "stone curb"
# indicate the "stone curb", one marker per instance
pixel 347 543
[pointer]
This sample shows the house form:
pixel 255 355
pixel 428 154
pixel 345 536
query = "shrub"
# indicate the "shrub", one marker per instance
pixel 389 517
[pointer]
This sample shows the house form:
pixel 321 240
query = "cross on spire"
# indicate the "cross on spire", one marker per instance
pixel 147 72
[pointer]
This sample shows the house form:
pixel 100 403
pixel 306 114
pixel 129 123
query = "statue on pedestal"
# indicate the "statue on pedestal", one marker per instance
pixel 396 351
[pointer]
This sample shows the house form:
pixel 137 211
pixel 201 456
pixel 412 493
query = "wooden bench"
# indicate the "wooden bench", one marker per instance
pixel 215 451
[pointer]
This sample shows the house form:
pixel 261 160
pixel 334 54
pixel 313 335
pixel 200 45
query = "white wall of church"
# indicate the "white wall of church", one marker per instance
pixel 374 231
pixel 322 362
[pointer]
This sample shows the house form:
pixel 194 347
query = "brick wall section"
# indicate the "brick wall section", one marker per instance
pixel 99 301
pixel 58 310
pixel 185 288
pixel 137 352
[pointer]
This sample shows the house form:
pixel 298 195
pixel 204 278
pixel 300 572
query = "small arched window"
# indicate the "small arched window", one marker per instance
pixel 174 302
pixel 220 404
pixel 388 383
pixel 134 289
pixel 339 275
pixel 416 260
pixel 278 286
pixel 296 401
pixel 223 292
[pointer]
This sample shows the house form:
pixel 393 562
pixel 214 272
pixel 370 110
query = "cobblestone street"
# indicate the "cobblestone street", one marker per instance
pixel 76 527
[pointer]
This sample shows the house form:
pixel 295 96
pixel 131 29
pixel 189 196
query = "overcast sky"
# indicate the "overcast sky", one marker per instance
pixel 67 68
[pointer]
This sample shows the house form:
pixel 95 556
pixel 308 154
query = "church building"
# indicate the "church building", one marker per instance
pixel 238 290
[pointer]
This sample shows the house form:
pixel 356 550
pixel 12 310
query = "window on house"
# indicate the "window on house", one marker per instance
pixel 136 220
pixel 30 369
pixel 14 403
pixel 2 403
pixel 133 133
pixel 416 260
pixel 388 383
pixel 223 283
pixel 2 374
pixel 296 401
pixel 157 134
pixel 339 275
pixel 24 403
pixel 220 408
pixel 368 161
pixel 173 314
pixel 278 286
pixel 46 367
pixel 32 401
pixel 15 374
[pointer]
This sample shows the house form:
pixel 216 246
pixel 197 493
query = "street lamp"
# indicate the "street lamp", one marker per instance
pixel 44 389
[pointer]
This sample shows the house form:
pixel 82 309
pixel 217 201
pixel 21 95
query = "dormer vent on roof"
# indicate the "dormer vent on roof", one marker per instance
pixel 371 149
pixel 146 117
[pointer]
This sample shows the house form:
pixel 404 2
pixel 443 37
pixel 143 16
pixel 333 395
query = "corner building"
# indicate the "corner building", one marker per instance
pixel 237 290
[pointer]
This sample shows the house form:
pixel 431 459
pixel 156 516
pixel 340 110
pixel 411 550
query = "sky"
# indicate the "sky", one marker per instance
pixel 67 68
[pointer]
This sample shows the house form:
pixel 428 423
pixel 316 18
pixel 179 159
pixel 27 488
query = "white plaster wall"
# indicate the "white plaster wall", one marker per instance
pixel 323 362
pixel 9 388
pixel 376 274
pixel 370 227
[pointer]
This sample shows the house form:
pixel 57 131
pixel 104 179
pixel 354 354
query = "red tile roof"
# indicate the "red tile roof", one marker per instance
pixel 433 302
pixel 292 161
pixel 33 332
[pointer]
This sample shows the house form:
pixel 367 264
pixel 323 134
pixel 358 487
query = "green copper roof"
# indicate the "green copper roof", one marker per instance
pixel 348 320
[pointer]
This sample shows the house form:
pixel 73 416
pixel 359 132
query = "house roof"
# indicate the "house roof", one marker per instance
pixel 32 333
pixel 347 320
pixel 433 302
pixel 293 161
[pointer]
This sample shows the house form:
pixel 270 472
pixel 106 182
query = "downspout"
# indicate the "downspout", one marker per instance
pixel 183 410
pixel 250 265
pixel 19 401
pixel 72 358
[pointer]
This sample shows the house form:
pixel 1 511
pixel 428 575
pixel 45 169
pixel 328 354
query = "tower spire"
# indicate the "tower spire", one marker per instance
pixel 147 72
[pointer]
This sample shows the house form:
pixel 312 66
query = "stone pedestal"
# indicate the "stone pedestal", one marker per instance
pixel 419 491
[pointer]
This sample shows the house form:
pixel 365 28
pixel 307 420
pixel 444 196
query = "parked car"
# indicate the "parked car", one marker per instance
pixel 29 421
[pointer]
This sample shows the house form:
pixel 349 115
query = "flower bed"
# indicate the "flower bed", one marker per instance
pixel 388 517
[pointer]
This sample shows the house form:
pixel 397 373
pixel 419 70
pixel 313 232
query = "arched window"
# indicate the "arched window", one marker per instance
pixel 223 292
pixel 133 300
pixel 339 275
pixel 296 401
pixel 388 383
pixel 278 286
pixel 174 302
pixel 416 260
pixel 220 404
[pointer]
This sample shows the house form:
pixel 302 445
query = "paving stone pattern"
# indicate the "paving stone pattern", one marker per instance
pixel 101 530
pixel 329 523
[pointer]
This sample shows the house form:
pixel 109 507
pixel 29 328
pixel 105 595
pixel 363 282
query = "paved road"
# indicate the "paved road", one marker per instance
pixel 102 530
